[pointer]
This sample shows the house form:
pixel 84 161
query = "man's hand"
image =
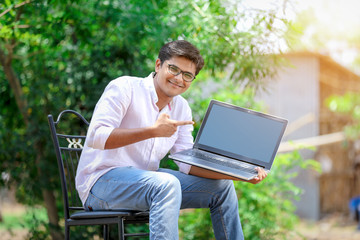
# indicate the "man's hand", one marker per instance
pixel 261 176
pixel 166 127
pixel 205 173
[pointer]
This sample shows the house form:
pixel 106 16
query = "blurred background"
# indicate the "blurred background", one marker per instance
pixel 296 59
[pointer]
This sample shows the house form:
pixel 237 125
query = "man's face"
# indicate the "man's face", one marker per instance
pixel 168 85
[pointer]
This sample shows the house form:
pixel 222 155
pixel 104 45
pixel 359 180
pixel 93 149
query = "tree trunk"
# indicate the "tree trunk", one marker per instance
pixel 50 204
pixel 48 196
pixel 14 84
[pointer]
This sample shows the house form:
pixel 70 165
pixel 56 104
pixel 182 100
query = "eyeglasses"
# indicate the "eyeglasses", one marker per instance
pixel 186 76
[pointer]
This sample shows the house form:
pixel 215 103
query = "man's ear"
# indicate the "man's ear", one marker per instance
pixel 157 65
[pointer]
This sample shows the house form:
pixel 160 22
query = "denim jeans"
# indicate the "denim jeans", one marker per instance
pixel 164 193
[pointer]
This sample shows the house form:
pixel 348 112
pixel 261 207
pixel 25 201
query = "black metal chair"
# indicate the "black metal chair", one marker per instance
pixel 68 138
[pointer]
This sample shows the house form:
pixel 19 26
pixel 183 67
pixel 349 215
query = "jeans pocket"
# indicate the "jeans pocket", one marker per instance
pixel 95 203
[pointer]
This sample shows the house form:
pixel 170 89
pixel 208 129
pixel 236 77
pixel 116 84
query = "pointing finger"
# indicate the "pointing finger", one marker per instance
pixel 179 123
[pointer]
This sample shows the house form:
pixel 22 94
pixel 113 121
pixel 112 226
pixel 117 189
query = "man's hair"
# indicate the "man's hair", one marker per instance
pixel 182 48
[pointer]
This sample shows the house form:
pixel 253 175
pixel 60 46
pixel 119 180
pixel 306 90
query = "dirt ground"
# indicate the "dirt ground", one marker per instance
pixel 333 227
pixel 15 235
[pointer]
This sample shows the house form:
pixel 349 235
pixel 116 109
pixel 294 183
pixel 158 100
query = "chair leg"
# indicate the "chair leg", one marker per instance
pixel 121 228
pixel 106 232
pixel 67 232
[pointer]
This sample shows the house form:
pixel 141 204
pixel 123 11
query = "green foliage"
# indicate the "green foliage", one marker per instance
pixel 267 209
pixel 202 92
pixel 34 220
pixel 64 53
pixel 195 224
pixel 348 104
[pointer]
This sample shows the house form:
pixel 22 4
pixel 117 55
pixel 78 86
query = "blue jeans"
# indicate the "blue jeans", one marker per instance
pixel 164 193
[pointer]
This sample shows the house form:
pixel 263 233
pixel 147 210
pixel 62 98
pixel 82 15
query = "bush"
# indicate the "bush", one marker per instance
pixel 266 209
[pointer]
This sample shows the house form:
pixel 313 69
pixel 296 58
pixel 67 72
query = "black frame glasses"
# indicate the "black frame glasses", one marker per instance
pixel 175 70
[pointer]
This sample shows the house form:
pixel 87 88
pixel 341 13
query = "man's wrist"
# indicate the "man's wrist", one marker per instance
pixel 151 132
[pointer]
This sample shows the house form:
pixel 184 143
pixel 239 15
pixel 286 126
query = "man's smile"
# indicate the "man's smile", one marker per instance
pixel 175 83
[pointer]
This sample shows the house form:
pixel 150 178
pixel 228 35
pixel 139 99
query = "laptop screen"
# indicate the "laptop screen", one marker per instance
pixel 240 133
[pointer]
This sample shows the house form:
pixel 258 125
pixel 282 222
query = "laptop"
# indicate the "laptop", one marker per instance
pixel 233 140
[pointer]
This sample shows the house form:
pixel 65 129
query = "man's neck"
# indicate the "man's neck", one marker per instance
pixel 163 100
pixel 162 103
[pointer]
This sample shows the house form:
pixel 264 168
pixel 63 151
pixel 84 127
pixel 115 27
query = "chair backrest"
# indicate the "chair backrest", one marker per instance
pixel 68 135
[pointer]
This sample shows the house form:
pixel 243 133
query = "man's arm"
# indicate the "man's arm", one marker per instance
pixel 163 127
pixel 201 172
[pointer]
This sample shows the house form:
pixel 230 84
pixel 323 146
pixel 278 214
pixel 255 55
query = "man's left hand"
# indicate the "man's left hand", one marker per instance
pixel 261 176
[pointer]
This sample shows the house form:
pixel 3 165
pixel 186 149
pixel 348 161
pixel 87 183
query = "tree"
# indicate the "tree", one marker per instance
pixel 59 54
pixel 348 104
pixel 329 29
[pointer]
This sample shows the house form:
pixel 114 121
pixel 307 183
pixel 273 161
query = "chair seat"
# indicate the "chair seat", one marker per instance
pixel 98 214
pixel 107 214
pixel 107 217
pixel 141 214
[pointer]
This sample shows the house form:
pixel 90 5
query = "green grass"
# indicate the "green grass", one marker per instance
pixel 23 219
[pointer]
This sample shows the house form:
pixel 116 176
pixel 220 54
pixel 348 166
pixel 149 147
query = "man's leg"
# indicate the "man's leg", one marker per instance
pixel 217 195
pixel 134 189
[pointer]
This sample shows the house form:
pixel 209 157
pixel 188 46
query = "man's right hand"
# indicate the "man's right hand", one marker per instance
pixel 166 127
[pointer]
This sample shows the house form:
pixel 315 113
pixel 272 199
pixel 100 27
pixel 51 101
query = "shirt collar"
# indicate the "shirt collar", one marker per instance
pixel 149 82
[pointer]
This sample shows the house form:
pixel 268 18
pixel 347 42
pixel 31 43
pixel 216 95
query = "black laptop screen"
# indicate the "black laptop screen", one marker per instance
pixel 241 133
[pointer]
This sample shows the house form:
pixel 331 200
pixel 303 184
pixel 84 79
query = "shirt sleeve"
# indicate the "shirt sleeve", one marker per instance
pixel 184 141
pixel 108 113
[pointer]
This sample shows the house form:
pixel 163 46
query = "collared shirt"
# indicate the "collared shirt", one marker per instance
pixel 130 102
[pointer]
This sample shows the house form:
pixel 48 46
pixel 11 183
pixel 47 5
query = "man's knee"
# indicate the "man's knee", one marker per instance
pixel 167 192
pixel 226 189
pixel 168 182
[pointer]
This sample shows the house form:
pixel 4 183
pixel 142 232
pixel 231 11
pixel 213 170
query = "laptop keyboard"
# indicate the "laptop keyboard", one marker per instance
pixel 213 158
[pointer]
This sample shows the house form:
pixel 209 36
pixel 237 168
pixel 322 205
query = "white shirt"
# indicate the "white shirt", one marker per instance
pixel 130 102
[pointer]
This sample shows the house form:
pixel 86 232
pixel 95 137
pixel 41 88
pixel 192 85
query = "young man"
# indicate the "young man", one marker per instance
pixel 136 122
